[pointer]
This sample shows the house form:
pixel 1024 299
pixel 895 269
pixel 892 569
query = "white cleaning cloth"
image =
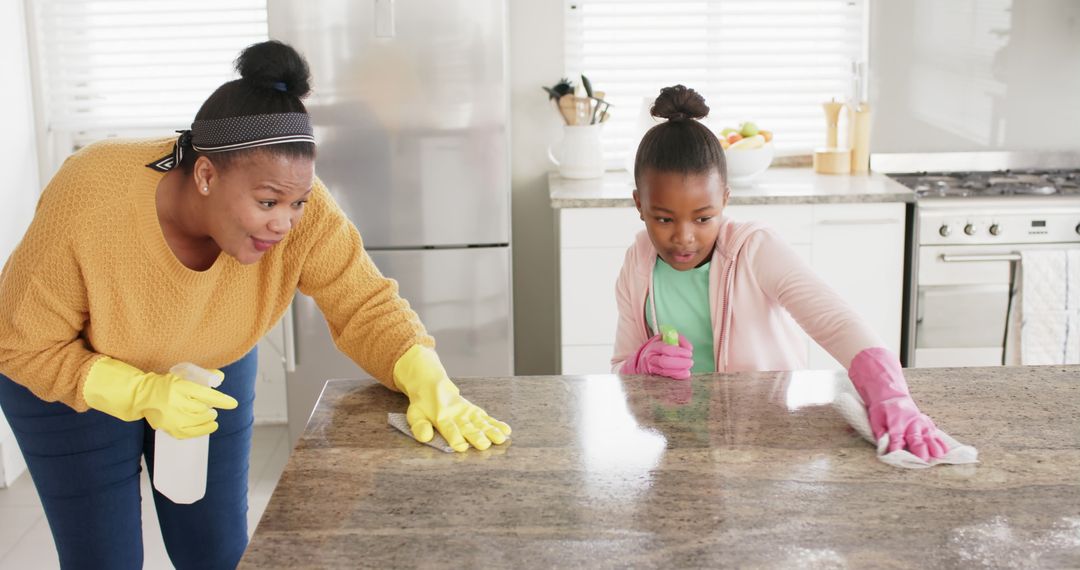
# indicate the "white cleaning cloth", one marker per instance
pixel 851 408
pixel 437 441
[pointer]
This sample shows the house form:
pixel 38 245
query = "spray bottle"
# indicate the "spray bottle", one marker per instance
pixel 180 464
pixel 669 335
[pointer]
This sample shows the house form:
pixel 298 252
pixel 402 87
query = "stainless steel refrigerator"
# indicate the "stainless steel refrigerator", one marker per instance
pixel 410 107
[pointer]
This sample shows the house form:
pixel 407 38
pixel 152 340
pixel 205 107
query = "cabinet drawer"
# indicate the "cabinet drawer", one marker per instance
pixel 794 222
pixel 598 227
pixel 861 215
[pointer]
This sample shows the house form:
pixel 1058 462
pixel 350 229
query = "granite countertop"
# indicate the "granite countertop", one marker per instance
pixel 744 470
pixel 774 186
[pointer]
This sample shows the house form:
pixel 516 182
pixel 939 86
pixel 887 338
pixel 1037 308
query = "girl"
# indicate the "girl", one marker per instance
pixel 145 253
pixel 726 285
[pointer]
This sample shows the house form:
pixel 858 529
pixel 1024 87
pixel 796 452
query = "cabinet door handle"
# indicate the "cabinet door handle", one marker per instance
pixel 857 222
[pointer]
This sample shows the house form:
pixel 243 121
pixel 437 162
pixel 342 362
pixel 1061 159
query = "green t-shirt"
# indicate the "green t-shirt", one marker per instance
pixel 682 301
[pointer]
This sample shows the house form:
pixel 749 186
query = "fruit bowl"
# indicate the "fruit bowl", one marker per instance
pixel 745 164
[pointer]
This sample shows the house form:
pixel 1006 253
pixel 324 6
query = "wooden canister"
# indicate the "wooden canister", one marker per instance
pixel 831 160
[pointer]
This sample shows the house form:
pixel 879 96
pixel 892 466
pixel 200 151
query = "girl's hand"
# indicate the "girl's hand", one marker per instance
pixel 908 428
pixel 878 378
pixel 657 358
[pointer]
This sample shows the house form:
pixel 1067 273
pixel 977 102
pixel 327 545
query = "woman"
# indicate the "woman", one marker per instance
pixel 146 253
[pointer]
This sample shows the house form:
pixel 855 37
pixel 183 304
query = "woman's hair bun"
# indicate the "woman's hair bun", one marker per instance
pixel 275 65
pixel 678 103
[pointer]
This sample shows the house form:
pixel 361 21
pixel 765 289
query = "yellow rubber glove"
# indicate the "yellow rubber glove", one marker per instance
pixel 435 401
pixel 182 408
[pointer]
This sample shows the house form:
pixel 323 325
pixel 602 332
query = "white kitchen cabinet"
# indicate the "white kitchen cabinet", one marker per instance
pixel 856 247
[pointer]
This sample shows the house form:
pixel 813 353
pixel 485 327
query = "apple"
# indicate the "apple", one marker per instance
pixel 748 129
pixel 727 131
pixel 734 138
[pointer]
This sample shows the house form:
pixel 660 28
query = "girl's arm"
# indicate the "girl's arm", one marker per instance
pixel 820 311
pixel 628 333
pixel 873 369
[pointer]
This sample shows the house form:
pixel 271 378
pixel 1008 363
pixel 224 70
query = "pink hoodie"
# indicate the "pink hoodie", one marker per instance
pixel 756 284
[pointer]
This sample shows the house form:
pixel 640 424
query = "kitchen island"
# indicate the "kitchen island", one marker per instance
pixel 744 470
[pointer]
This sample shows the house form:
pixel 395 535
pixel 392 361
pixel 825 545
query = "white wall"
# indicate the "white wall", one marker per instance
pixel 536 59
pixel 18 162
pixel 975 75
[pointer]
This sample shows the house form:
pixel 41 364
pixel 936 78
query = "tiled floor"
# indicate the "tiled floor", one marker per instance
pixel 25 541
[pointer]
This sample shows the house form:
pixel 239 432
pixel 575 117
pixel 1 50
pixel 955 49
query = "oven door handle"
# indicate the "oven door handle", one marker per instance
pixel 958 258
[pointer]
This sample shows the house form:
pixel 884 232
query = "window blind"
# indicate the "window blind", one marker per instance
pixel 772 62
pixel 133 67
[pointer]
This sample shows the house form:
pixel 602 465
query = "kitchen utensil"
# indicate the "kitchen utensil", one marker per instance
pixel 582 110
pixel 587 85
pixel 559 89
pixel 599 107
pixel 568 108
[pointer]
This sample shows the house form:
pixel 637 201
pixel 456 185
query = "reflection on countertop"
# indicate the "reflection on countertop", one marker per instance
pixel 745 470
pixel 774 186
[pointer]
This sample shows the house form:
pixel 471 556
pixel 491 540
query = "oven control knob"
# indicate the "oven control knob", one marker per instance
pixel 945 230
pixel 969 230
pixel 995 229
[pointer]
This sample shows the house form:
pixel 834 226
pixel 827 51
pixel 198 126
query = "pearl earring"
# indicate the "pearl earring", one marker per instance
pixel 206 190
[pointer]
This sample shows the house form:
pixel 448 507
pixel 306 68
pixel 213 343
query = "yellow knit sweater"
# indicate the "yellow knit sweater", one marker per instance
pixel 93 277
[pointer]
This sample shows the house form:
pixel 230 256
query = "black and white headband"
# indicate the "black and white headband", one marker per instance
pixel 236 133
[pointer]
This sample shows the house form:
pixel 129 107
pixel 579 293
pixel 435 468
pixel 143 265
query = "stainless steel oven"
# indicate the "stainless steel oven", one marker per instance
pixel 969 231
pixel 968 251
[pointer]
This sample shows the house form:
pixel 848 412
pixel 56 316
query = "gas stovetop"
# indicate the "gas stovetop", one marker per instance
pixel 1000 183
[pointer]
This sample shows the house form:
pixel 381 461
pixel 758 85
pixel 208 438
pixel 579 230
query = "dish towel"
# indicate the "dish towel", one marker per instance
pixel 399 421
pixel 850 407
pixel 1044 316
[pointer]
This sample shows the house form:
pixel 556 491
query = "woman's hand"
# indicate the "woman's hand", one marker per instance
pixel 661 359
pixel 436 403
pixel 168 402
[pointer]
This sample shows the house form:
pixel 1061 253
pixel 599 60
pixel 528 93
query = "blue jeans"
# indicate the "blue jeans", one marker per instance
pixel 86 469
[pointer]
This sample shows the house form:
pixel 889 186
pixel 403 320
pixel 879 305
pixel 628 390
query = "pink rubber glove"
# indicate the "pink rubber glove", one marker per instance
pixel 655 357
pixel 878 378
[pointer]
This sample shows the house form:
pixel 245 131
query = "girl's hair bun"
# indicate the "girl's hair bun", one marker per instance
pixel 679 103
pixel 275 65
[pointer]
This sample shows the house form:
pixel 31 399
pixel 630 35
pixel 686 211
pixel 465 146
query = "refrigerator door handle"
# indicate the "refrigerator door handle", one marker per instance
pixel 288 327
pixel 384 18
